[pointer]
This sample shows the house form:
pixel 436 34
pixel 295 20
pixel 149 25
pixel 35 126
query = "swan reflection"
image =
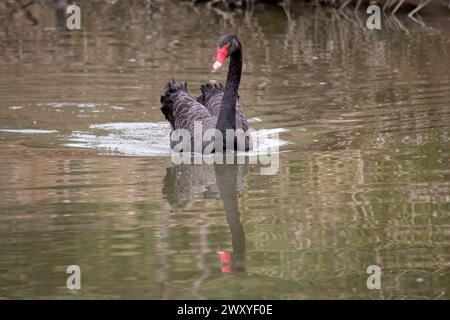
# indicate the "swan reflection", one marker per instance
pixel 215 181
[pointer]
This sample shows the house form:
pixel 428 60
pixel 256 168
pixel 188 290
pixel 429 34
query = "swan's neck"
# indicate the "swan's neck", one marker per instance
pixel 227 115
pixel 227 182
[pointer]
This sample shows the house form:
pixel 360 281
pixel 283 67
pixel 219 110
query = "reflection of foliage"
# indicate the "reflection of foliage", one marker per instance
pixel 225 7
pixel 366 181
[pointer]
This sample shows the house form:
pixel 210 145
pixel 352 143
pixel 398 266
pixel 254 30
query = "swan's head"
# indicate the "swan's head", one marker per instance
pixel 226 45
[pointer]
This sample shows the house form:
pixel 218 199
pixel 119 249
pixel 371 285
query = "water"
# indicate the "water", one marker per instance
pixel 86 177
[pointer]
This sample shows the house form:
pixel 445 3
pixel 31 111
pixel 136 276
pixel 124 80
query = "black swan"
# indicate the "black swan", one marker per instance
pixel 218 107
pixel 182 183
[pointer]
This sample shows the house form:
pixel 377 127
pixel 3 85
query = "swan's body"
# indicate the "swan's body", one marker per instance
pixel 218 107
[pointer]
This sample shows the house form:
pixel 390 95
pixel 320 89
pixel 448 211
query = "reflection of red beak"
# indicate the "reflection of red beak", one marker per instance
pixel 221 55
pixel 225 261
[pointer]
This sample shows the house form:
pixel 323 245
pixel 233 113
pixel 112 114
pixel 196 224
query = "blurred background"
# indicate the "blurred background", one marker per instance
pixel 86 176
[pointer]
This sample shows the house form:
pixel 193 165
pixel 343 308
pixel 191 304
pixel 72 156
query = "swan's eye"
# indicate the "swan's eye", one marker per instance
pixel 221 55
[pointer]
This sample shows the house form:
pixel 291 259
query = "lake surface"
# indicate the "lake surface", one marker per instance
pixel 86 176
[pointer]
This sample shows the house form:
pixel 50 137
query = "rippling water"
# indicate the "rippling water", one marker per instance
pixel 86 178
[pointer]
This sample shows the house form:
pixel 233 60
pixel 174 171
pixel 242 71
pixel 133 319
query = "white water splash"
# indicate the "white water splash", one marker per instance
pixel 254 119
pixel 28 131
pixel 153 139
pixel 71 104
pixel 126 138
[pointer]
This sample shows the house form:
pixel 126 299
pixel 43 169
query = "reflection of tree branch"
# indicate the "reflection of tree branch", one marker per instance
pixel 416 10
pixel 400 2
pixel 345 4
pixel 27 12
pixel 290 34
pixel 395 5
pixel 394 18
pixel 226 15
pixel 342 12
pixel 286 5
pixel 388 4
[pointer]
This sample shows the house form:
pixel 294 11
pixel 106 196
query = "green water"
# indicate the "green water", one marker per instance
pixel 364 178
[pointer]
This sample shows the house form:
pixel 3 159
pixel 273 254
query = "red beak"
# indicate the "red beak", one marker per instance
pixel 225 261
pixel 221 55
